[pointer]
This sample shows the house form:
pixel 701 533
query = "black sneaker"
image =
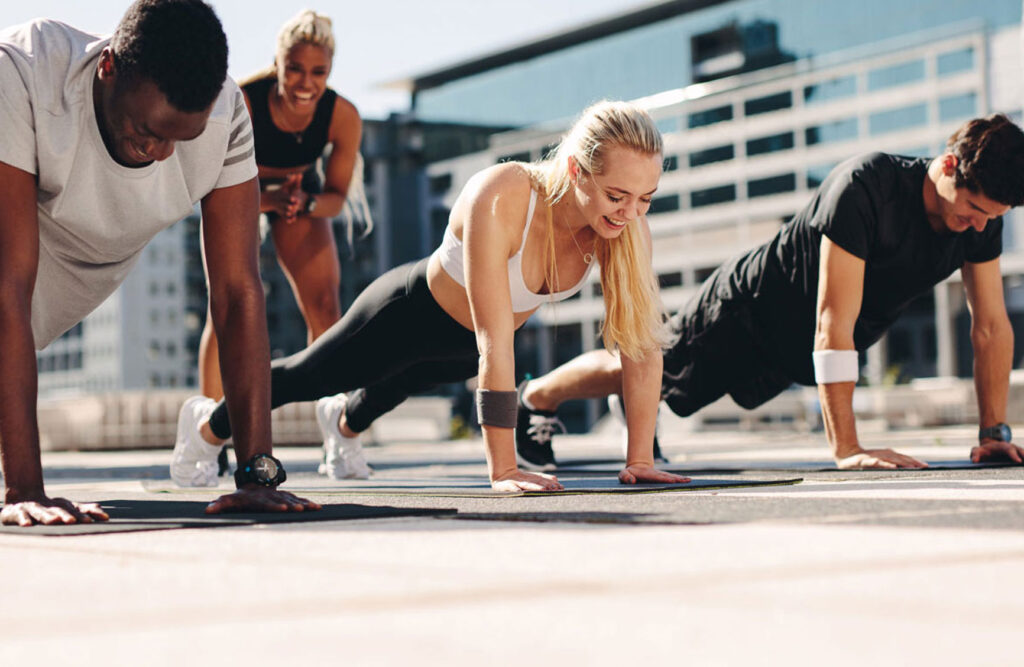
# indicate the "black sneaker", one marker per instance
pixel 615 407
pixel 534 430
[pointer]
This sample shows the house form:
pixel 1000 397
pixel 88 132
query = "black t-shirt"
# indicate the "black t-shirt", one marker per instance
pixel 873 207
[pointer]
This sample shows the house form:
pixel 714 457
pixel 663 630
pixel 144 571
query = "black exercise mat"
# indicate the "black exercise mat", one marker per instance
pixel 603 467
pixel 476 488
pixel 140 515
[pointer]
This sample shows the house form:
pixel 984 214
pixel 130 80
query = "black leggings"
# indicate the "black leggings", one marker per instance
pixel 395 341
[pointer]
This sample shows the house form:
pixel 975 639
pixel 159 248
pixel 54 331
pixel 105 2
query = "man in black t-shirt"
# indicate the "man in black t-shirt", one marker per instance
pixel 880 231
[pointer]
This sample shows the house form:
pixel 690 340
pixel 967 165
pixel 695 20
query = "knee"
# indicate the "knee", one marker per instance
pixel 324 304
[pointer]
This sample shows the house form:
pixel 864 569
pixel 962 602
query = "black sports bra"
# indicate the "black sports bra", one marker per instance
pixel 276 148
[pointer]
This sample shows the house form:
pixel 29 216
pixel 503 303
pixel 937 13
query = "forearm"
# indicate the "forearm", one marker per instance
pixel 993 359
pixel 497 373
pixel 641 392
pixel 837 414
pixel 329 203
pixel 19 429
pixel 245 367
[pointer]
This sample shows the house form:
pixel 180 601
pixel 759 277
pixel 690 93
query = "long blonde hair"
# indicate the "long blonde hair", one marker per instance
pixel 633 322
pixel 306 27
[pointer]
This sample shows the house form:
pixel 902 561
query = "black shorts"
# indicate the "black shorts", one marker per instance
pixel 718 351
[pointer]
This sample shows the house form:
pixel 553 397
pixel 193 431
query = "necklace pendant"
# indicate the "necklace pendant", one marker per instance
pixel 588 258
pixel 298 137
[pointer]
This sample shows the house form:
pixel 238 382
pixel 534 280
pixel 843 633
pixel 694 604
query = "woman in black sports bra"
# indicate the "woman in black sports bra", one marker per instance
pixel 295 117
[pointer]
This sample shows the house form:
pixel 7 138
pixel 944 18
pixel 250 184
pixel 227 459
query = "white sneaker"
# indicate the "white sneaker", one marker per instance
pixel 343 457
pixel 194 462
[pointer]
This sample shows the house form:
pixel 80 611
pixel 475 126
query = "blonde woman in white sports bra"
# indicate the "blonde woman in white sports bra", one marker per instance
pixel 519 235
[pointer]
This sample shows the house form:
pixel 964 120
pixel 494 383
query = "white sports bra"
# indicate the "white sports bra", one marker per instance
pixel 523 300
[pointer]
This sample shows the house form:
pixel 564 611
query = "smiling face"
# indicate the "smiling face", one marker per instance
pixel 620 194
pixel 957 209
pixel 302 77
pixel 137 123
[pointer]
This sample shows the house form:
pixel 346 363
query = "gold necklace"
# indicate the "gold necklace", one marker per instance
pixel 588 257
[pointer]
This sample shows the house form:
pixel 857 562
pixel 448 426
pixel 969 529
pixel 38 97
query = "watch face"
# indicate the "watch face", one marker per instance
pixel 265 469
pixel 1004 433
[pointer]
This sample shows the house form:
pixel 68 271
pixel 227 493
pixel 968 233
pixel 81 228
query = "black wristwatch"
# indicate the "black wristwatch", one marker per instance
pixel 1000 432
pixel 262 469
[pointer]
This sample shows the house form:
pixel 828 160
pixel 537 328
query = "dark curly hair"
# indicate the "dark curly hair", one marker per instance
pixel 990 152
pixel 177 44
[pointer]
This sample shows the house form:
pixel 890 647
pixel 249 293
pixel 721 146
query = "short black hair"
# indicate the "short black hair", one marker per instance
pixel 990 152
pixel 177 44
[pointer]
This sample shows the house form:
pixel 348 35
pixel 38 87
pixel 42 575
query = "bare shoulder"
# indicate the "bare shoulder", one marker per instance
pixel 345 113
pixel 504 189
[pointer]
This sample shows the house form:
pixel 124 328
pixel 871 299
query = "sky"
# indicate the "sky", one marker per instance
pixel 377 40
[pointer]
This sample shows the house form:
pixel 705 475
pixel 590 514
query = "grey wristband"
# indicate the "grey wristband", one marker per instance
pixel 496 408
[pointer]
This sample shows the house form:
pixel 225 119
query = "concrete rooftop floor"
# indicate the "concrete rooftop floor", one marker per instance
pixel 883 568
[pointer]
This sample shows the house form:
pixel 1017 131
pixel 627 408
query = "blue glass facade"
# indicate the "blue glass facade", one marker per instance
pixel 657 57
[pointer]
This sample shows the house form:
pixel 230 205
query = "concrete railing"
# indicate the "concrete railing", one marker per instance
pixel 148 419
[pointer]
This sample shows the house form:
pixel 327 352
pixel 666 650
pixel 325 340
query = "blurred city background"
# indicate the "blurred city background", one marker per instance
pixel 757 100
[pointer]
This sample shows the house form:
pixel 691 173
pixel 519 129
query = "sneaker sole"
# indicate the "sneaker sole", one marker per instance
pixel 535 467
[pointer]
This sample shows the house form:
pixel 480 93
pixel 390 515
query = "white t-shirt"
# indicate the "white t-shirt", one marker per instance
pixel 95 215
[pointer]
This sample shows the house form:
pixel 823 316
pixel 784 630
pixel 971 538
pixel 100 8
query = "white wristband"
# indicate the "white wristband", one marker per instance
pixel 835 366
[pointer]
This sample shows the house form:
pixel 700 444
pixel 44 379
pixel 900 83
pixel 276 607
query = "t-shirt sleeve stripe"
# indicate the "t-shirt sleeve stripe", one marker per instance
pixel 239 153
pixel 235 159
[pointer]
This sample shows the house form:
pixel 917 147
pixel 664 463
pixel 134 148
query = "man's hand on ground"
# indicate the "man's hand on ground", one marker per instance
pixel 996 450
pixel 641 473
pixel 50 511
pixel 260 499
pixel 517 480
pixel 878 458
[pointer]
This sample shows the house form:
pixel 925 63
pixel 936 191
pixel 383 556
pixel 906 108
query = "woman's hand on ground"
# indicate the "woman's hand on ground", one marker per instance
pixel 878 458
pixel 260 499
pixel 645 474
pixel 50 511
pixel 518 480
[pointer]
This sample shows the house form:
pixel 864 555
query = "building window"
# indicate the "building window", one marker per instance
pixel 664 204
pixel 768 103
pixel 896 75
pixel 523 156
pixel 955 61
pixel 711 155
pixel 900 118
pixel 840 130
pixel 673 279
pixel 440 184
pixel 716 195
pixel 833 89
pixel 957 106
pixel 671 163
pixel 154 350
pixel 816 175
pixel 762 187
pixel 770 144
pixel 709 116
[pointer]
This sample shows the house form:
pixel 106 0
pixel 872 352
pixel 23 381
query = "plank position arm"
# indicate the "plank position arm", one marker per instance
pixel 992 340
pixel 489 240
pixel 840 293
pixel 26 501
pixel 230 245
